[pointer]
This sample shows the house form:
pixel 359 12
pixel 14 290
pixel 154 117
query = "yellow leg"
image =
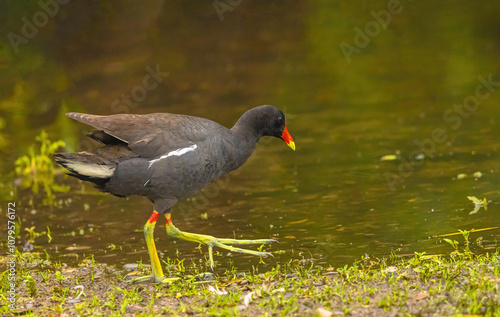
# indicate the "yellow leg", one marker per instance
pixel 157 275
pixel 211 242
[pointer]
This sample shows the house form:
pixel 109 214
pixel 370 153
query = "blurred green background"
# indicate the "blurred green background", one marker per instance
pixel 363 84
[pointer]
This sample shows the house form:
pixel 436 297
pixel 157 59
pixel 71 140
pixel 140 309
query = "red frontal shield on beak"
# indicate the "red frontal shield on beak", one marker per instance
pixel 288 138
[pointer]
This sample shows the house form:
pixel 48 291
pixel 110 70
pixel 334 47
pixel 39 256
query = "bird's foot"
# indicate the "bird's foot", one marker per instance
pixel 153 279
pixel 227 245
pixel 212 242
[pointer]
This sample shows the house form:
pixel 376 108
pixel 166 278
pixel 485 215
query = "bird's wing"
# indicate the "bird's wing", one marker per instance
pixel 151 135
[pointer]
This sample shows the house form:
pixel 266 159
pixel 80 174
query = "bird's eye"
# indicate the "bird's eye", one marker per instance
pixel 279 121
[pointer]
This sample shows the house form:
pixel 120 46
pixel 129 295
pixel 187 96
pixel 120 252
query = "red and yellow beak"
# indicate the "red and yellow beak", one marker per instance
pixel 288 138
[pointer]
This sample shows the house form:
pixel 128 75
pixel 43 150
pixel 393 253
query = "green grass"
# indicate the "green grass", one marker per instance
pixel 420 285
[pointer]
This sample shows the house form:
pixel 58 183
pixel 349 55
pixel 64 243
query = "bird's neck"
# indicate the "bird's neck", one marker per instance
pixel 245 137
pixel 247 130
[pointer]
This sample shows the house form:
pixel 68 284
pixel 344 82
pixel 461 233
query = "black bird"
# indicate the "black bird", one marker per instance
pixel 168 157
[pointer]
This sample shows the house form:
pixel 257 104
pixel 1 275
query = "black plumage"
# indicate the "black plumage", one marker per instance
pixel 167 157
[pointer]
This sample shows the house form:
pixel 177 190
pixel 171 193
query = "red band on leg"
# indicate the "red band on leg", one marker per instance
pixel 154 217
pixel 168 219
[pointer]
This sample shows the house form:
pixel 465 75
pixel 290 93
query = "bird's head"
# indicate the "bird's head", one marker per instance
pixel 273 123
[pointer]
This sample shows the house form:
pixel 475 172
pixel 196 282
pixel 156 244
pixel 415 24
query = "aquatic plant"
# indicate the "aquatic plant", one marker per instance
pixel 36 169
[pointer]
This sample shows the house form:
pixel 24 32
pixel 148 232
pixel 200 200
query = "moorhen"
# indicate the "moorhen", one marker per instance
pixel 168 157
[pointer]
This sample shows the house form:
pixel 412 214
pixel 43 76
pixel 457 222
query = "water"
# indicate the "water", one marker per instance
pixel 334 199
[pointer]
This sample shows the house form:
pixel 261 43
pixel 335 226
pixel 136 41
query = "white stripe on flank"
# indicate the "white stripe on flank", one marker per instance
pixel 177 152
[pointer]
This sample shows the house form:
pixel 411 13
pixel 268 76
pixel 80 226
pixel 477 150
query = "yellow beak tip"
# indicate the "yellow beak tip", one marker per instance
pixel 292 145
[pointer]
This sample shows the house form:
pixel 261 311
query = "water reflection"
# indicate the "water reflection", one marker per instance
pixel 330 199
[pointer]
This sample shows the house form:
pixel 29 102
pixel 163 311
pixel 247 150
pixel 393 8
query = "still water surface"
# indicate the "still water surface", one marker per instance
pixel 424 89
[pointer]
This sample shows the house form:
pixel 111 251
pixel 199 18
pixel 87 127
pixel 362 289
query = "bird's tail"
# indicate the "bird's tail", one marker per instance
pixel 86 166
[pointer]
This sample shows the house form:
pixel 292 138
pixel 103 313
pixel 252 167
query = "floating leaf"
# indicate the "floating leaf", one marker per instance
pixel 477 174
pixel 477 204
pixel 389 157
pixel 297 222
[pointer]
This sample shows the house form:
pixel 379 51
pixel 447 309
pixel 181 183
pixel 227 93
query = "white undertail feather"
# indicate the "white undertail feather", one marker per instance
pixel 89 169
